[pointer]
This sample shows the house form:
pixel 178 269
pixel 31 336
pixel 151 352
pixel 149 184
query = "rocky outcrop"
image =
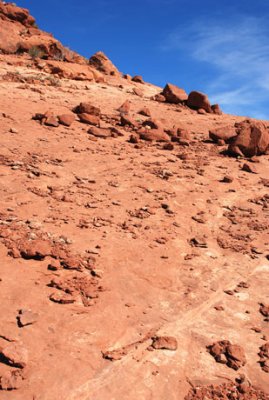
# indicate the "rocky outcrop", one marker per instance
pixel 103 64
pixel 252 139
pixel 19 34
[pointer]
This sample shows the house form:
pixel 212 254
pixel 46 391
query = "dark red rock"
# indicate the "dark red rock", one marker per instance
pixel 227 353
pixel 138 79
pixel 87 108
pixel 216 109
pixel 66 119
pixel 252 139
pixel 249 168
pixel 197 100
pixel 52 121
pixel 128 120
pixel 157 135
pixel 174 94
pixel 99 132
pixel 89 119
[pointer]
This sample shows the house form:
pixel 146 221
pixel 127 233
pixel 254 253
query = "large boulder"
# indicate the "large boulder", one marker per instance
pixel 252 139
pixel 103 64
pixel 222 133
pixel 174 94
pixel 198 100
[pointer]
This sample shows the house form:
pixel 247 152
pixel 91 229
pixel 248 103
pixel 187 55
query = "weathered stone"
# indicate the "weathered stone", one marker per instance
pixel 87 108
pixel 222 133
pixel 252 139
pixel 89 119
pixel 138 79
pixel 99 132
pixel 157 135
pixel 66 119
pixel 174 94
pixel 198 100
pixel 164 343
pixel 102 63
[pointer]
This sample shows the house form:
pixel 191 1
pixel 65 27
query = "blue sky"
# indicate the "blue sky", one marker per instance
pixel 218 47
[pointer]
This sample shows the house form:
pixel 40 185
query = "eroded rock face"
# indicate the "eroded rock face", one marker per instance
pixel 174 94
pixel 252 139
pixel 198 100
pixel 14 13
pixel 102 63
pixel 23 36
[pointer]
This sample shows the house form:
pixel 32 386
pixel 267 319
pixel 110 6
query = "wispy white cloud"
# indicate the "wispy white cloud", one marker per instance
pixel 238 51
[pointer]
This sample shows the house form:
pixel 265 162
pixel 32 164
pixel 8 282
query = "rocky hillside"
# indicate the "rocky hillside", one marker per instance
pixel 133 233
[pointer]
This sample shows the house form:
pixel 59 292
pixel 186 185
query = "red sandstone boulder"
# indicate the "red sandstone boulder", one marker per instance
pixel 87 108
pixel 197 100
pixel 100 132
pixel 51 121
pixel 127 120
pixel 66 119
pixel 252 139
pixel 216 109
pixel 222 133
pixel 125 107
pixel 89 119
pixel 227 353
pixel 102 63
pixel 173 94
pixel 138 79
pixel 157 135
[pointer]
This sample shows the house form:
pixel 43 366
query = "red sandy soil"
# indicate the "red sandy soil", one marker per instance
pixel 128 260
